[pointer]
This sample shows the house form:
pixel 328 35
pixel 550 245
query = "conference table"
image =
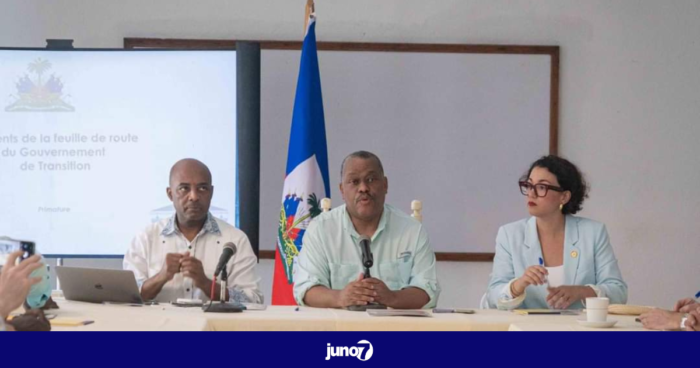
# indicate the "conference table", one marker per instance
pixel 166 317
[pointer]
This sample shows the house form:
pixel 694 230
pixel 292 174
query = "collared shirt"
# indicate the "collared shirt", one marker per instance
pixel 146 257
pixel 331 257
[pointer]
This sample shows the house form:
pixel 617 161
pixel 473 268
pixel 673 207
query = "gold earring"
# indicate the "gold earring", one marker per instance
pixel 561 206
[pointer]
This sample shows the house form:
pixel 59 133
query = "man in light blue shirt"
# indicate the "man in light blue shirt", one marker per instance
pixel 328 272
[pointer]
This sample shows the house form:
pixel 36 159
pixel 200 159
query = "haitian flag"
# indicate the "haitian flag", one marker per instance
pixel 306 182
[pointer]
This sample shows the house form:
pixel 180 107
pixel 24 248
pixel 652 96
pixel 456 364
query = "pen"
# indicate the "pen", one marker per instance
pixel 697 295
pixel 453 310
pixel 546 279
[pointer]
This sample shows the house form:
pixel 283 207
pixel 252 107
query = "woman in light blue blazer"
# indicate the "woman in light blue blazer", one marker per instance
pixel 554 259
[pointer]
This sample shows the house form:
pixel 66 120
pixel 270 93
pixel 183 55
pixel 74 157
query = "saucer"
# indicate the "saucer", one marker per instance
pixel 607 324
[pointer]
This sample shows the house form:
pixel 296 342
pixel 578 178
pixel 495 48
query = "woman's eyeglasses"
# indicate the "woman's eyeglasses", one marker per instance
pixel 540 189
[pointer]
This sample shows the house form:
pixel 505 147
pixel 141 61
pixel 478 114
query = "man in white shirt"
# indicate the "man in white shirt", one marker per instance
pixel 173 258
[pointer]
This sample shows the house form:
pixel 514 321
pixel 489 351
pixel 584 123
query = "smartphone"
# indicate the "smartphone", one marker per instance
pixel 8 245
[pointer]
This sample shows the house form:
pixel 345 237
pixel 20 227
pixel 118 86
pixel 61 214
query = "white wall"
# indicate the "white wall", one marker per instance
pixel 630 96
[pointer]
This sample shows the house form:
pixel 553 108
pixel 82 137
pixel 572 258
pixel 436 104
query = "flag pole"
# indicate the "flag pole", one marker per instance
pixel 310 8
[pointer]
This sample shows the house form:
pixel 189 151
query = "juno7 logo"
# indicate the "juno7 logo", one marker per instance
pixel 354 351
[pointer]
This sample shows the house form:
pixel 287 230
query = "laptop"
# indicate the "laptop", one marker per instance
pixel 97 285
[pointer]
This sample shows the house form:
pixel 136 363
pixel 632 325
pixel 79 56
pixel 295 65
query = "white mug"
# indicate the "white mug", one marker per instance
pixel 597 309
pixel 596 315
pixel 597 303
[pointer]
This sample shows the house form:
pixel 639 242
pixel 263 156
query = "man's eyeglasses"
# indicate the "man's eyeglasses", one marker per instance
pixel 540 189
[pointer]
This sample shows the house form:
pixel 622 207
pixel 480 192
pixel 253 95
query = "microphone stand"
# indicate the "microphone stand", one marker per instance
pixel 223 306
pixel 374 305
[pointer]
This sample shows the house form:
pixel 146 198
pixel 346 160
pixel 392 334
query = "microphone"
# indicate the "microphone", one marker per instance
pixel 367 258
pixel 367 262
pixel 223 306
pixel 226 254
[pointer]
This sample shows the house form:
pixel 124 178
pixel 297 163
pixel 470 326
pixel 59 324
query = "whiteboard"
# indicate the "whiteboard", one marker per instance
pixel 455 130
